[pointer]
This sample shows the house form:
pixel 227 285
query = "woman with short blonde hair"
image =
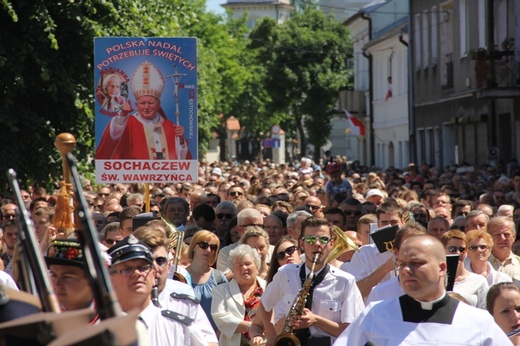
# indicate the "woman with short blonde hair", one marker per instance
pixel 480 244
pixel 471 286
pixel 202 252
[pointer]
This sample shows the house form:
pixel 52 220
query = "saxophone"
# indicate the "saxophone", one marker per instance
pixel 286 336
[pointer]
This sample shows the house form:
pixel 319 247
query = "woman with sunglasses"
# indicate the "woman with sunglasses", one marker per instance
pixel 503 303
pixel 235 304
pixel 203 253
pixel 285 251
pixel 472 287
pixel 479 250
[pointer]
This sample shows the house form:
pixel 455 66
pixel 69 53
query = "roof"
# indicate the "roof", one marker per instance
pixel 371 7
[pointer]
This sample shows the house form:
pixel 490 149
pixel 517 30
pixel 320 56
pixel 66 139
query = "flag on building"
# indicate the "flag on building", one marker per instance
pixel 357 128
pixel 389 91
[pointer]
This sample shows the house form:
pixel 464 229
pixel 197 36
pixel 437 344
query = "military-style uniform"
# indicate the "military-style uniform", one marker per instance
pixel 179 297
pixel 165 327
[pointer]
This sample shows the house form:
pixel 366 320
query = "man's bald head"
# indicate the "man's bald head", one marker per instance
pixel 422 263
pixel 432 244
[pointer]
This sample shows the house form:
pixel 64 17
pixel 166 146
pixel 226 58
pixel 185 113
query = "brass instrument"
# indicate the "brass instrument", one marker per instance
pixel 408 217
pixel 342 243
pixel 155 294
pixel 286 336
pixel 176 237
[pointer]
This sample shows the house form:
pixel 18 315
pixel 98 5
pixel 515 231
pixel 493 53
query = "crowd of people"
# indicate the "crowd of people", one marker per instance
pixel 241 257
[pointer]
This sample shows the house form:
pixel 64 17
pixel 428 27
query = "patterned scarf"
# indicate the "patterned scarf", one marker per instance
pixel 251 304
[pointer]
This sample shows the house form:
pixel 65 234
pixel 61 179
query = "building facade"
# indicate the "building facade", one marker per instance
pixel 465 75
pixel 380 42
pixel 279 10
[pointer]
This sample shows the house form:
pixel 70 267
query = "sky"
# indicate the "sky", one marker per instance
pixel 214 6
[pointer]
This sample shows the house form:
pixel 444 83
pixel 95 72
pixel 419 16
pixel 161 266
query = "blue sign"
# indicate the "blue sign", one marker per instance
pixel 267 143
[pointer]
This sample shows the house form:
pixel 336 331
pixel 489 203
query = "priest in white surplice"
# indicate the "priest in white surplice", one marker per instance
pixel 425 315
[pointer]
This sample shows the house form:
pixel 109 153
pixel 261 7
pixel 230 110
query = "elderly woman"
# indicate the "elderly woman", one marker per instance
pixel 258 239
pixel 235 303
pixel 472 287
pixel 203 253
pixel 503 303
pixel 285 251
pixel 479 249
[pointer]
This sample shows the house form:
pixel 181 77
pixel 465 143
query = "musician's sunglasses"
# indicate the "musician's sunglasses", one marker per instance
pixel 311 240
pixel 204 245
pixel 161 261
pixel 289 251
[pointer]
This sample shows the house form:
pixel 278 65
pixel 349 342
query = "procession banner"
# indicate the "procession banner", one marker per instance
pixel 146 109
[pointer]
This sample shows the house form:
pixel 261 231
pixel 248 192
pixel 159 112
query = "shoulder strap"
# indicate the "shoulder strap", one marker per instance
pixel 177 317
pixel 219 277
pixel 184 296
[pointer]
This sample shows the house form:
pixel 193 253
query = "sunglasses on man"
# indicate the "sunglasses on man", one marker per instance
pixel 225 216
pixel 311 240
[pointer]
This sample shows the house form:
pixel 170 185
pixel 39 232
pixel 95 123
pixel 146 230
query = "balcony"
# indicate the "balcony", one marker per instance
pixel 498 74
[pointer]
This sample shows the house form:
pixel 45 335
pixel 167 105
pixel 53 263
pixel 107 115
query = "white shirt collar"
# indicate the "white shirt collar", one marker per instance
pixel 429 305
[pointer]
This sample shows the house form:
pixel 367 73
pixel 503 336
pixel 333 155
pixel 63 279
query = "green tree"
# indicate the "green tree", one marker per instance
pixel 224 58
pixel 305 60
pixel 46 86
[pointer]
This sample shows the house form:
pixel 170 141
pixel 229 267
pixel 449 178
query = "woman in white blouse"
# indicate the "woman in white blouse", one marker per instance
pixel 235 303
pixel 472 287
pixel 479 250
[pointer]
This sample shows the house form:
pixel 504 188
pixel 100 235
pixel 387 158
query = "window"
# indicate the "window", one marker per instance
pixel 464 27
pixel 417 41
pixel 481 23
pixel 433 30
pixel 425 44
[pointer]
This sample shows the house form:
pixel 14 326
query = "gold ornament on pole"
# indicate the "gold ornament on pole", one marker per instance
pixel 64 211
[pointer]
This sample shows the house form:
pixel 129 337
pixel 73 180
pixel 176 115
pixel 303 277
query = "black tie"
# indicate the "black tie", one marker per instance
pixel 304 334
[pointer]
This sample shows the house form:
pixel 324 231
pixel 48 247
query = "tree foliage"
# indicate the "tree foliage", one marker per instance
pixel 305 60
pixel 287 74
pixel 46 86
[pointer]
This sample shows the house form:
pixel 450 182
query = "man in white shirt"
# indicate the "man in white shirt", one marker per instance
pixel 391 288
pixel 174 295
pixel 369 266
pixel 334 300
pixel 502 258
pixel 426 314
pixel 133 277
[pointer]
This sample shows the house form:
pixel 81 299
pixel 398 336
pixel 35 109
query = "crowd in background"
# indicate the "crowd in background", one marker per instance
pixel 241 222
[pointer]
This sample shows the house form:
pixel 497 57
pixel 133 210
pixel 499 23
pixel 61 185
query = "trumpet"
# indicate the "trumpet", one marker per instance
pixel 176 237
pixel 342 243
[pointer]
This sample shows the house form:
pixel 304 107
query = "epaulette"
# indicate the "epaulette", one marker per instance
pixel 177 317
pixel 185 296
